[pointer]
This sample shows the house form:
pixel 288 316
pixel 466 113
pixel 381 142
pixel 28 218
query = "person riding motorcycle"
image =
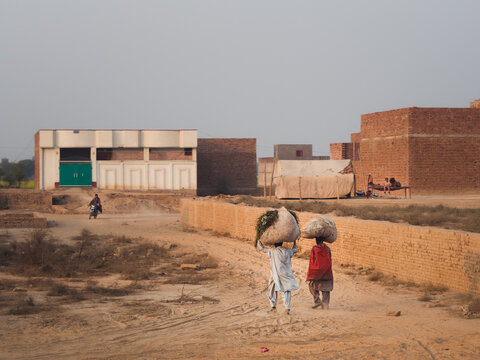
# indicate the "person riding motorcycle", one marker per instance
pixel 97 202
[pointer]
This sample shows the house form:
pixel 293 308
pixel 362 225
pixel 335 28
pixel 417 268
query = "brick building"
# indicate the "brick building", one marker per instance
pixel 433 150
pixel 227 165
pixel 292 151
pixel 116 159
pixel 144 160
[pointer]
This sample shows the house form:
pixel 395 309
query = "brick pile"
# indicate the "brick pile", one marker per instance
pixel 421 255
pixel 9 220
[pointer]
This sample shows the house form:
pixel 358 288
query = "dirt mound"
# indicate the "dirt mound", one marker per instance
pixel 75 201
pixel 131 204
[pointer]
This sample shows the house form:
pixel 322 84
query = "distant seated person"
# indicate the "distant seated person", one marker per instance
pixel 370 180
pixel 96 201
pixel 394 183
pixel 386 186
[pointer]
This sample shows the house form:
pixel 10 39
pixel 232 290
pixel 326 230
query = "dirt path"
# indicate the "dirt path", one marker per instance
pixel 147 325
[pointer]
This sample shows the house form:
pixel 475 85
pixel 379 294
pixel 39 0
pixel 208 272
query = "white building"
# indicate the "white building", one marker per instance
pixel 116 159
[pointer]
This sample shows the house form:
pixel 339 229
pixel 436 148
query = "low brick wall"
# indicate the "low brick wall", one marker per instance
pixel 9 220
pixel 34 200
pixel 411 253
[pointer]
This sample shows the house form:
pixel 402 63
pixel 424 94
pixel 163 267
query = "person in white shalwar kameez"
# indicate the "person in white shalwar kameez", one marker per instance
pixel 281 275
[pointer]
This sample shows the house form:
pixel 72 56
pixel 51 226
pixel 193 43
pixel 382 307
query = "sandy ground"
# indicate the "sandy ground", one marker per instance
pixel 145 325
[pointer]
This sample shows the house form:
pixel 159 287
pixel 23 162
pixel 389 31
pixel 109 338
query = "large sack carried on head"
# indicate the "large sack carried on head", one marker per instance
pixel 321 227
pixel 285 229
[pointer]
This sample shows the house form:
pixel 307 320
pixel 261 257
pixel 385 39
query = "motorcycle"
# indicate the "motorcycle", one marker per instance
pixel 93 211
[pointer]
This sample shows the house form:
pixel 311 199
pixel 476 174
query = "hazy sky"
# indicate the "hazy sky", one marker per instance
pixel 279 71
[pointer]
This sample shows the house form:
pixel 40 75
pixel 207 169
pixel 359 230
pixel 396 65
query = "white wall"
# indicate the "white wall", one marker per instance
pixel 51 173
pixel 139 175
pixel 118 138
pixel 129 174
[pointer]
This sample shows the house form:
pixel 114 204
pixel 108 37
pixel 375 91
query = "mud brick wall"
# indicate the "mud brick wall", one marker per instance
pixel 445 165
pixel 21 220
pixel 444 121
pixel 445 150
pixel 433 150
pixel 169 154
pixel 383 157
pixel 26 200
pixel 341 151
pixel 383 147
pixel 226 165
pixel 336 151
pixel 411 253
pixel 385 123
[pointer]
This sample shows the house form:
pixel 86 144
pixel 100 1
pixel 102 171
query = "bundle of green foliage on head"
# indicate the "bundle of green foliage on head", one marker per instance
pixel 264 222
pixel 267 220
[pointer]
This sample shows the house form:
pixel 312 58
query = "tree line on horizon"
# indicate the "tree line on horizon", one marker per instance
pixel 15 174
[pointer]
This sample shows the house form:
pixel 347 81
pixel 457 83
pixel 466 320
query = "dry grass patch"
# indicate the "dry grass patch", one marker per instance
pixel 188 229
pixel 434 289
pixel 425 297
pixel 70 293
pixel 104 291
pixel 25 306
pixel 192 299
pixel 203 261
pixel 474 305
pixel 192 277
pixel 189 299
pixel 41 254
pixel 439 216
pixel 43 263
pixel 375 276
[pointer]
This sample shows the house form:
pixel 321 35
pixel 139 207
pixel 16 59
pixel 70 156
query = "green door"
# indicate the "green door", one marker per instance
pixel 75 174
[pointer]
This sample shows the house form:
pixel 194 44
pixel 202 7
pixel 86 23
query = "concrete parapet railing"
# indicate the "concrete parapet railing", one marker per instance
pixel 422 255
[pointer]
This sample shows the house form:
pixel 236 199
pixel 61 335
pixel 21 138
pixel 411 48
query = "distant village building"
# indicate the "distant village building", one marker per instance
pixel 116 159
pixel 293 151
pixel 161 160
pixel 284 152
pixel 433 150
pixel 227 166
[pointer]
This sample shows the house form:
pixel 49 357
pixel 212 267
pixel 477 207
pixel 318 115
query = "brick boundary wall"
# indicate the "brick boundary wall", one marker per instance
pixel 26 200
pixel 421 255
pixel 22 220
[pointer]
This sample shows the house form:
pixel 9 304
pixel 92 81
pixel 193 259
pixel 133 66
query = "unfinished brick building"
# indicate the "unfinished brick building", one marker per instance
pixel 227 166
pixel 433 150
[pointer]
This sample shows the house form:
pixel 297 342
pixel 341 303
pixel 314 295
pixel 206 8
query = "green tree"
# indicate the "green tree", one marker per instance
pixel 19 173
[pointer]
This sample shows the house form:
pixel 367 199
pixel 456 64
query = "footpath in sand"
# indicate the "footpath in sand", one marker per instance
pixel 228 317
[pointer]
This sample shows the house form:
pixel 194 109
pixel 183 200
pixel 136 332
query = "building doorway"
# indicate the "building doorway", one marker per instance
pixel 75 167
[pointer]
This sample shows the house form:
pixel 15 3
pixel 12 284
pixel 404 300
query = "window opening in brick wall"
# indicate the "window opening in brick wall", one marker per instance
pixel 75 154
pixel 170 154
pixel 120 154
pixel 299 153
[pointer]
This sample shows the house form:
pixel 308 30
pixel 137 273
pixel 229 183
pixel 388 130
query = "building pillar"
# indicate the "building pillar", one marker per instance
pixel 93 159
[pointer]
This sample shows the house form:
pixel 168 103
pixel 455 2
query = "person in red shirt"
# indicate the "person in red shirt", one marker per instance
pixel 320 275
